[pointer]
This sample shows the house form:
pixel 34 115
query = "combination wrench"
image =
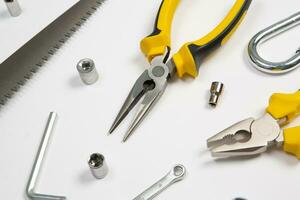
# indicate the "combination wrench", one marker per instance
pixel 176 174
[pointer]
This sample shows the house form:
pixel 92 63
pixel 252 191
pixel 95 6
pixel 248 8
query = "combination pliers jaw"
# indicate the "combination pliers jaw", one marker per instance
pixel 247 137
pixel 251 137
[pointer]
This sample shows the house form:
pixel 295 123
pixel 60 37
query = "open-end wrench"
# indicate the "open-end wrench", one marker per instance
pixel 176 174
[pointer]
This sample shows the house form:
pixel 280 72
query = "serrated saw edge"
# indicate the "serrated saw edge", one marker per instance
pixel 20 66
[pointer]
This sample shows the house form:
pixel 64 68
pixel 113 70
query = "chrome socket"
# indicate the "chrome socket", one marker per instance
pixel 215 91
pixel 87 71
pixel 98 166
pixel 13 7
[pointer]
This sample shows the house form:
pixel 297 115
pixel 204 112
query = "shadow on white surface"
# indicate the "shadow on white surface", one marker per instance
pixel 86 177
pixel 75 82
pixel 4 14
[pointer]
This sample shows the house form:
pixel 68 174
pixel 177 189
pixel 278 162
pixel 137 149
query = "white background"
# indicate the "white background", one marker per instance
pixel 177 128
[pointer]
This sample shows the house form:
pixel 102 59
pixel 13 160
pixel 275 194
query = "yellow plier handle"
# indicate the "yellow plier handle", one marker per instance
pixel 160 39
pixel 287 106
pixel 190 56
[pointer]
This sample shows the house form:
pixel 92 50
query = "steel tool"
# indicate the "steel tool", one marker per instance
pixel 254 136
pixel 20 66
pixel 98 166
pixel 150 86
pixel 13 7
pixel 87 71
pixel 30 190
pixel 268 66
pixel 176 174
pixel 216 90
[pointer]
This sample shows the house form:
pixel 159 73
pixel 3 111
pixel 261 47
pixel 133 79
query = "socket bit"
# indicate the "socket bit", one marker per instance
pixel 13 7
pixel 215 91
pixel 98 165
pixel 87 71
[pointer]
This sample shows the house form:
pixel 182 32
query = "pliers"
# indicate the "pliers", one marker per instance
pixel 150 86
pixel 252 137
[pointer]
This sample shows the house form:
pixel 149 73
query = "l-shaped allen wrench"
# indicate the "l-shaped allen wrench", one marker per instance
pixel 30 190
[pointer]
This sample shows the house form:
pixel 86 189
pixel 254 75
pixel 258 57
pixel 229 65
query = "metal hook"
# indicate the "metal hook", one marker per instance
pixel 268 33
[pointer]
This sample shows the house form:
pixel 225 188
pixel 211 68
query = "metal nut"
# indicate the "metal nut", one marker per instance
pixel 98 165
pixel 13 7
pixel 215 91
pixel 87 71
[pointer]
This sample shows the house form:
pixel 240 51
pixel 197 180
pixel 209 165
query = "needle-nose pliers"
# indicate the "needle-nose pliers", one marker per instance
pixel 150 86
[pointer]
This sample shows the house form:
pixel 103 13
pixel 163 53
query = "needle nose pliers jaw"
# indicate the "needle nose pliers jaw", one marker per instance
pixel 150 86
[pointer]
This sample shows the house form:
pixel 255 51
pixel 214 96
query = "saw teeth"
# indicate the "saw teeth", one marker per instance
pixel 63 40
pixel 68 35
pixel 28 76
pixel 3 100
pixel 13 87
pixel 16 88
pixel 39 64
pixel 51 51
pixel 73 29
pixel 33 70
pixel 45 58
pixel 57 46
pixel 21 82
pixel 9 94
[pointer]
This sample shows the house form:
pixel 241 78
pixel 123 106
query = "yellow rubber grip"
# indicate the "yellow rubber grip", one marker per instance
pixel 158 41
pixel 284 106
pixel 191 55
pixel 292 141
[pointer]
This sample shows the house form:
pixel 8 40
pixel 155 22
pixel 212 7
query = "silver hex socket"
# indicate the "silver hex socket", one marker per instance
pixel 87 71
pixel 13 7
pixel 98 166
pixel 215 92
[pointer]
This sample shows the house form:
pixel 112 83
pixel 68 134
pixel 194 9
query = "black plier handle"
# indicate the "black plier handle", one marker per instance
pixel 189 58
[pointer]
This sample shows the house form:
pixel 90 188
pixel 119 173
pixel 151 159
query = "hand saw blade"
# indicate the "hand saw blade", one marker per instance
pixel 21 65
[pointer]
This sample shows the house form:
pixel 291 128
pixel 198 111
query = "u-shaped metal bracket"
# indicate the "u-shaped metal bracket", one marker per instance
pixel 268 33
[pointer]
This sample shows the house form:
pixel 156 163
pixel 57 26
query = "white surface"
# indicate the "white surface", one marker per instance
pixel 177 128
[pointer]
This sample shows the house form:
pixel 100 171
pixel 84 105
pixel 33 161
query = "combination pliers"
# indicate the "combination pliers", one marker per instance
pixel 251 137
pixel 150 86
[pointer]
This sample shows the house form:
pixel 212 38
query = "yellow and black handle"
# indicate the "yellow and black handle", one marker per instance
pixel 160 39
pixel 190 56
